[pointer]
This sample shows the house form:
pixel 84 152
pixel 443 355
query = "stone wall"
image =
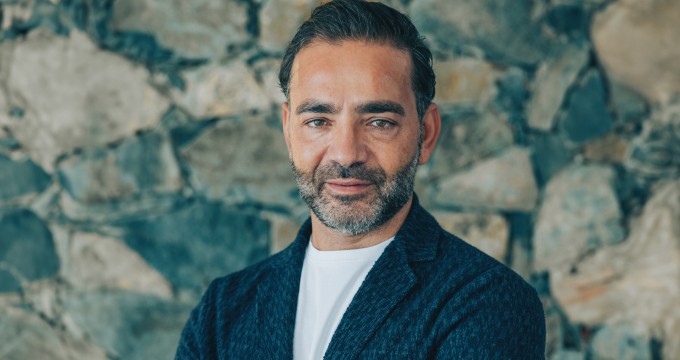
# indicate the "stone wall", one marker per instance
pixel 141 157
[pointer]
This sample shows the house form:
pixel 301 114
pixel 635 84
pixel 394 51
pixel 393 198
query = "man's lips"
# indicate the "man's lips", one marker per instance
pixel 348 186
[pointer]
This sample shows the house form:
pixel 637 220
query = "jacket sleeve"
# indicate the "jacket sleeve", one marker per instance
pixel 504 319
pixel 188 343
pixel 196 337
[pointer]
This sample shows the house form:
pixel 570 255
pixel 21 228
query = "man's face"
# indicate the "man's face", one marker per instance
pixel 352 132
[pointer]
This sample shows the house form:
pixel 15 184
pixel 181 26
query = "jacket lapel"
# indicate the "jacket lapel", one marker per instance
pixel 276 301
pixel 388 282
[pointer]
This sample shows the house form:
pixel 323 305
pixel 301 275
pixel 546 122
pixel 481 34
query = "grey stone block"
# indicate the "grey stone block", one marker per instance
pixel 140 165
pixel 580 213
pixel 620 342
pixel 27 336
pixel 197 243
pixel 553 78
pixel 586 115
pixel 468 138
pixel 26 247
pixel 20 178
pixel 504 182
pixel 74 94
pixel 129 325
pixel 242 161
pixel 200 29
pixel 505 30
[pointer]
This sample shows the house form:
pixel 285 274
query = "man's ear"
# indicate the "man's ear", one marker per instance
pixel 431 127
pixel 284 121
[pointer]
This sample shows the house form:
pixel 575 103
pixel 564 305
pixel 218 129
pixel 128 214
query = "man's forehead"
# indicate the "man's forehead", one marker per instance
pixel 324 64
pixel 359 50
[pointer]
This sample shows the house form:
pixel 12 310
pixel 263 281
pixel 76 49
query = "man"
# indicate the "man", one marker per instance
pixel 371 274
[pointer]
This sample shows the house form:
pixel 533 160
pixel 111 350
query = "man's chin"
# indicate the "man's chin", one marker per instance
pixel 350 199
pixel 346 206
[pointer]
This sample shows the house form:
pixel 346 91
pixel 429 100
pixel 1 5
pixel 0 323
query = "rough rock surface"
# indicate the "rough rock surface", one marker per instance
pixel 73 95
pixel 221 90
pixel 630 107
pixel 283 231
pixel 553 79
pixel 609 148
pixel 198 243
pixel 634 282
pixel 279 23
pixel 568 355
pixel 621 342
pixel 503 29
pixel 267 70
pixel 222 162
pixel 464 81
pixel 586 115
pixel 138 166
pixel 26 336
pixel 468 138
pixel 505 182
pixel 579 213
pixel 636 41
pixel 96 262
pixel 20 178
pixel 201 28
pixel 655 152
pixel 27 249
pixel 550 154
pixel 109 211
pixel 108 318
pixel 487 232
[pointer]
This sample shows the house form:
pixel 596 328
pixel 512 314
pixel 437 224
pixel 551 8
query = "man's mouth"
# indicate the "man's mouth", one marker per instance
pixel 348 187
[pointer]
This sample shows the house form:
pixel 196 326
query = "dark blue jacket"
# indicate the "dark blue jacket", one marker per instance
pixel 430 295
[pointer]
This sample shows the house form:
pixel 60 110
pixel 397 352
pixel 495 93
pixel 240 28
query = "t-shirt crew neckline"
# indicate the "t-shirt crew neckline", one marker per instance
pixel 359 254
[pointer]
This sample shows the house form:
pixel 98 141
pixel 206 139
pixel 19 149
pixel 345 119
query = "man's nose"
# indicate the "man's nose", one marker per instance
pixel 347 145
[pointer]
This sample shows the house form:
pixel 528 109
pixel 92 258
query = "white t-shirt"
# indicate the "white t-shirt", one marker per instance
pixel 328 283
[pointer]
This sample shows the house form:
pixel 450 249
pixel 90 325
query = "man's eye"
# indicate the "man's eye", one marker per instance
pixel 382 123
pixel 316 123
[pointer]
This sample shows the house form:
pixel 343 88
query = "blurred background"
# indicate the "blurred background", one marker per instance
pixel 141 156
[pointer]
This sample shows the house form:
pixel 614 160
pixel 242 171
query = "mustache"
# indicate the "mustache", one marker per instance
pixel 357 171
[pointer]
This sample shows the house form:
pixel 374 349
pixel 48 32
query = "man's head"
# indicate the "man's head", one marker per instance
pixel 358 119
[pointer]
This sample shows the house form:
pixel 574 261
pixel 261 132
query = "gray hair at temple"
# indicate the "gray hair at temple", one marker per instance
pixel 341 20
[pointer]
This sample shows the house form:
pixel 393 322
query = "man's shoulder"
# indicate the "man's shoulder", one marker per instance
pixel 447 261
pixel 248 278
pixel 476 296
pixel 464 267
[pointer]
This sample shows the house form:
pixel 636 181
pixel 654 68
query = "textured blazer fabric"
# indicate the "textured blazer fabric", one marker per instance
pixel 429 296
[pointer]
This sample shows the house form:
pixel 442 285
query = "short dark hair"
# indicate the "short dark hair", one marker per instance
pixel 340 20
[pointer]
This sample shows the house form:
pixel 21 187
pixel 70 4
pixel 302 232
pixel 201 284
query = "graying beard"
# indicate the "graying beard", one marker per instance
pixel 391 200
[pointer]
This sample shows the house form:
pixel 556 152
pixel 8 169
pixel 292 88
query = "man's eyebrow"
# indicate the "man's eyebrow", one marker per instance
pixel 379 107
pixel 316 107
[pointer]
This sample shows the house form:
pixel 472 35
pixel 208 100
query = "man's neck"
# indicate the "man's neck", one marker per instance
pixel 325 238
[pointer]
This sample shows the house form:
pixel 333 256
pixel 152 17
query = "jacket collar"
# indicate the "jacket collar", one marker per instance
pixel 418 234
pixel 385 286
pixel 277 297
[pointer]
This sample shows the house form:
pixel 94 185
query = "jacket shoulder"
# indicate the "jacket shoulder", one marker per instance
pixel 239 284
pixel 503 315
pixel 224 309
